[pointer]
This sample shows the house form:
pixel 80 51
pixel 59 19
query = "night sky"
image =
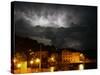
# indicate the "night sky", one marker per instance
pixel 64 26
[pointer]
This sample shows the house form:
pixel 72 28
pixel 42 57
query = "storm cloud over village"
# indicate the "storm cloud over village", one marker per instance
pixel 61 26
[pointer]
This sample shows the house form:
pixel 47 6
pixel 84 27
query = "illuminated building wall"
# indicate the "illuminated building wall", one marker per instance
pixel 70 57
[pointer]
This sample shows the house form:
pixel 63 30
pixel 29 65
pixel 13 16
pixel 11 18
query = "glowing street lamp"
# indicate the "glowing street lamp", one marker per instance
pixel 31 62
pixel 52 59
pixel 37 60
pixel 81 55
pixel 15 60
pixel 18 65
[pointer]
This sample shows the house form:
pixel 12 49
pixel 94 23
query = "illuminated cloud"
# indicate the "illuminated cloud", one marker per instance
pixel 59 25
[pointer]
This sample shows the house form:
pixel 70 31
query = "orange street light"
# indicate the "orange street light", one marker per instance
pixel 31 62
pixel 52 59
pixel 15 60
pixel 18 65
pixel 37 60
pixel 81 55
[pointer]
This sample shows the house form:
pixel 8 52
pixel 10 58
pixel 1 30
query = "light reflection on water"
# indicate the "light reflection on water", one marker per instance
pixel 81 66
pixel 66 67
pixel 52 68
pixel 78 66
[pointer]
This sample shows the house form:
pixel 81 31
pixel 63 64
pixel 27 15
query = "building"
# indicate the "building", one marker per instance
pixel 72 56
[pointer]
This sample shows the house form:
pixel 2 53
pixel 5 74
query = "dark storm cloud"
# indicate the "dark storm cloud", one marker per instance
pixel 60 25
pixel 54 15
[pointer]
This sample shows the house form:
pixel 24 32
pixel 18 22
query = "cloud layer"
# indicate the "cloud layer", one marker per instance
pixel 59 25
